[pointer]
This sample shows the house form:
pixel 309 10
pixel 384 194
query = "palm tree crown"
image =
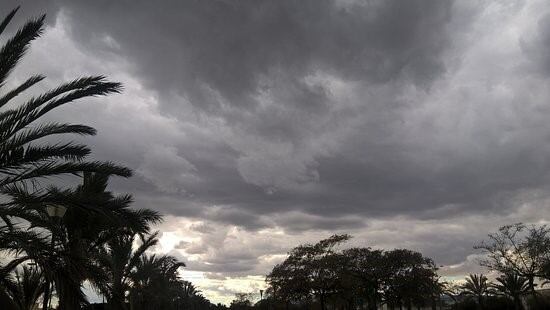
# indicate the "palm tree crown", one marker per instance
pixel 22 156
pixel 477 285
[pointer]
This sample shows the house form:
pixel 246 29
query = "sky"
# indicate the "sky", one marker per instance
pixel 258 125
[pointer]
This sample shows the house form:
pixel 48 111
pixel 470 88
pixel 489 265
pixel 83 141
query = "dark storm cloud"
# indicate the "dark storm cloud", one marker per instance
pixel 223 53
pixel 195 47
pixel 255 126
pixel 334 111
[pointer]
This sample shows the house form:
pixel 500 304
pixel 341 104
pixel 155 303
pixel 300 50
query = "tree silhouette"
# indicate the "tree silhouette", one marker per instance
pixel 513 286
pixel 241 302
pixel 410 278
pixel 22 156
pixel 310 270
pixel 454 291
pixel 398 277
pixel 23 289
pixel 364 268
pixel 94 216
pixel 155 282
pixel 518 249
pixel 117 261
pixel 25 155
pixel 477 286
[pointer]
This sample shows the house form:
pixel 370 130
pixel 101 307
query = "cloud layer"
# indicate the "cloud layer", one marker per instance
pixel 257 125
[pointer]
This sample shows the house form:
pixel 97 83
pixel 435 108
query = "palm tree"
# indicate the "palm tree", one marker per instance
pixel 95 240
pixel 513 286
pixel 189 296
pixel 188 289
pixel 18 241
pixel 94 216
pixel 155 283
pixel 454 291
pixel 24 157
pixel 117 260
pixel 23 292
pixel 477 286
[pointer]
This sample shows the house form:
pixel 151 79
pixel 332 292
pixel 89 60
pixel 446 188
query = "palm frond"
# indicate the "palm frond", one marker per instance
pixel 43 130
pixel 12 121
pixel 53 168
pixel 140 221
pixel 34 155
pixel 19 89
pixel 146 244
pixel 7 19
pixel 15 48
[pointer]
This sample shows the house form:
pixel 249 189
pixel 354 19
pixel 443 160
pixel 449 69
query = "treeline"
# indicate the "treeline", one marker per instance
pixel 54 240
pixel 356 277
pixel 323 276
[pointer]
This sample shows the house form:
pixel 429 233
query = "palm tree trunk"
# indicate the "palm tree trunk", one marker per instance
pixel 46 297
pixel 517 303
pixel 480 302
pixel 372 304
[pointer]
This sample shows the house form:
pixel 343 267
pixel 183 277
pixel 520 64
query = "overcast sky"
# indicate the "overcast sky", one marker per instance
pixel 258 125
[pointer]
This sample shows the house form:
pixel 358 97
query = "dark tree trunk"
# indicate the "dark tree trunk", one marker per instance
pixel 480 302
pixel 517 303
pixel 532 289
pixel 46 295
pixel 372 305
pixel 49 280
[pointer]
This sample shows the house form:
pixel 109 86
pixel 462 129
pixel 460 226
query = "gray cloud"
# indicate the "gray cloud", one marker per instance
pixel 197 48
pixel 311 117
pixel 263 71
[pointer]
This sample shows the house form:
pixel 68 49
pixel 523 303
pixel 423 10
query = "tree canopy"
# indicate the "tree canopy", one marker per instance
pixel 322 272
